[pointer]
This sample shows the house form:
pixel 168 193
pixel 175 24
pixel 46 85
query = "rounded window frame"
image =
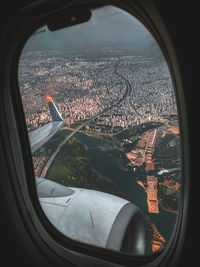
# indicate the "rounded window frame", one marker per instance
pixel 137 11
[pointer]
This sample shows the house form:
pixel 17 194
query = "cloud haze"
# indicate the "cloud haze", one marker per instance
pixel 107 26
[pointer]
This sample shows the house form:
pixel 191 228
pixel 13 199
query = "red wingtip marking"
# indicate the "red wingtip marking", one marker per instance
pixel 49 99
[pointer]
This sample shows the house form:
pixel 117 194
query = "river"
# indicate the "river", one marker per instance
pixel 107 161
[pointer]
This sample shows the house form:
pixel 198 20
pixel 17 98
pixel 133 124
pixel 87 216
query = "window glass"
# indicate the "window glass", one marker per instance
pixel 109 82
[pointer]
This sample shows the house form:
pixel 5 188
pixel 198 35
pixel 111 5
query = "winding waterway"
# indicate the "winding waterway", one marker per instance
pixel 107 161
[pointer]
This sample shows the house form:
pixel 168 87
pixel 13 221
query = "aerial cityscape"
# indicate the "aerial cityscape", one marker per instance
pixel 83 88
pixel 121 126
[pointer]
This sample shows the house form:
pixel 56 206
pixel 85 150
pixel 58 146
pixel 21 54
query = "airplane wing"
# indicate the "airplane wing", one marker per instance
pixel 41 135
pixel 86 215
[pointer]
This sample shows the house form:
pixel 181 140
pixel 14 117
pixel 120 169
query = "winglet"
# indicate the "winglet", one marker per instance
pixel 55 115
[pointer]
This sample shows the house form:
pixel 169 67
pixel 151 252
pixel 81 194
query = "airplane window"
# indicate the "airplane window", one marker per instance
pixel 103 125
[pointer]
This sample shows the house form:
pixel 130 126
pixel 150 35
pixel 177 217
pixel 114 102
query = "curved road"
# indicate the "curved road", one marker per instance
pixel 119 102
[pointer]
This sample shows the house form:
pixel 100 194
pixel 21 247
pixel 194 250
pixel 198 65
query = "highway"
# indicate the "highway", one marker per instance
pixel 116 104
pixel 44 171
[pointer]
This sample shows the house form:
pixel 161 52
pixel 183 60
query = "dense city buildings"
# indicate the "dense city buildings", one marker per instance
pixel 123 106
pixel 83 86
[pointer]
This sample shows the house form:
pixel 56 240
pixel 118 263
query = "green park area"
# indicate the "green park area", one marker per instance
pixel 71 168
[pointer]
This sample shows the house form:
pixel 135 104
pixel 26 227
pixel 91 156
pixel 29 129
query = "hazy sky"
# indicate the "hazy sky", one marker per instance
pixel 107 25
